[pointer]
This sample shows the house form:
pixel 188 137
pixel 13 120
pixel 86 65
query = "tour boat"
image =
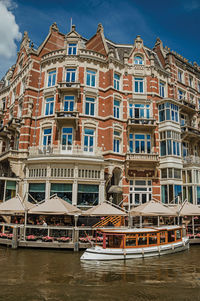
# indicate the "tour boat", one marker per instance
pixel 137 243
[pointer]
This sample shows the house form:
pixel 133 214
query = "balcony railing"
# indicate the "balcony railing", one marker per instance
pixel 191 160
pixel 54 54
pixel 67 86
pixel 142 123
pixel 65 150
pixel 187 106
pixel 91 54
pixel 65 117
pixel 190 131
pixel 152 157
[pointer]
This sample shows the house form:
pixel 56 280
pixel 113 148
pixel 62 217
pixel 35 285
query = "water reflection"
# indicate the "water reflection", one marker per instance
pixel 59 275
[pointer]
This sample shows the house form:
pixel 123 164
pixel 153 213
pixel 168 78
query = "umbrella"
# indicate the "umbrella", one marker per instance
pixel 55 206
pixel 188 209
pixel 152 208
pixel 15 206
pixel 104 209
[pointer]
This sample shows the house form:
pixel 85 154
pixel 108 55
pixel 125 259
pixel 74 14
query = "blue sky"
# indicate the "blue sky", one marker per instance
pixel 176 22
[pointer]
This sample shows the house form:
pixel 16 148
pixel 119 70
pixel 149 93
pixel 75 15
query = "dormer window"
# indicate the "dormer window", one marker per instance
pixel 138 60
pixel 72 49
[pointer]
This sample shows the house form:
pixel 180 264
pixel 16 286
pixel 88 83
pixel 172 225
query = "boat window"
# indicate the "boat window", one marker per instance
pixel 130 241
pixel 171 236
pixel 178 234
pixel 142 239
pixel 162 238
pixel 153 239
pixel 114 241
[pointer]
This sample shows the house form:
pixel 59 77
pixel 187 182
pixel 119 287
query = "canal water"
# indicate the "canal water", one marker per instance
pixel 34 275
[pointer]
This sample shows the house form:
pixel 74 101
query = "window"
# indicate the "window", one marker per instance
pixel 183 119
pixel 88 195
pixel 185 149
pixel 90 78
pixel 10 190
pixel 67 139
pixel 116 108
pixel 37 191
pixel 116 141
pixel 47 137
pixel 51 78
pixel 140 143
pixel 69 103
pixel 181 94
pixel 116 81
pixel 199 103
pixel 72 49
pixel 198 86
pixel 63 191
pixel 180 76
pixel 88 140
pixel 190 81
pixel 138 60
pixel 139 110
pixel 171 194
pixel 192 98
pixel 139 85
pixel 168 111
pixel 3 103
pixel 22 87
pixel 19 114
pixel 169 143
pixel 49 106
pixel 90 106
pixel 13 96
pixel 170 173
pixel 162 89
pixel 70 75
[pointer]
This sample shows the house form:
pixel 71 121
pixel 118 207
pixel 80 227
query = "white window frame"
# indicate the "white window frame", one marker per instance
pixel 54 72
pixel 139 80
pixel 72 46
pixel 91 74
pixel 71 73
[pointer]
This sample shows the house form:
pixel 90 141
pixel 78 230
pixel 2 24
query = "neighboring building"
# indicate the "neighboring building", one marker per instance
pixel 90 119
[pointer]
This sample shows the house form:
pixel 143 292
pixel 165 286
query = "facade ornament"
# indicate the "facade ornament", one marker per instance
pixel 54 27
pixel 138 42
pixel 100 28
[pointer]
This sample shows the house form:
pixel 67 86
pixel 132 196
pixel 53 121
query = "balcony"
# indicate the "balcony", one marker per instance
pixel 13 124
pixel 141 165
pixel 63 151
pixel 142 157
pixel 13 154
pixel 67 118
pixel 191 161
pixel 188 107
pixel 68 86
pixel 190 132
pixel 148 124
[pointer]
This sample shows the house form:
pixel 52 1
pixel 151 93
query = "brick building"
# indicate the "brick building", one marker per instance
pixel 90 119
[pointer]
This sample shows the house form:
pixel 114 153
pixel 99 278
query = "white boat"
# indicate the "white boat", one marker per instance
pixel 137 243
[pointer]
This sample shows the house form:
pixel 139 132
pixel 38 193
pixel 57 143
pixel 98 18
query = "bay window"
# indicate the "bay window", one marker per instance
pixel 168 112
pixel 169 143
pixel 140 143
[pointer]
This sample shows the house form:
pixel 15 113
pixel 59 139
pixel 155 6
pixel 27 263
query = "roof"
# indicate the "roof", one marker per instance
pixel 140 230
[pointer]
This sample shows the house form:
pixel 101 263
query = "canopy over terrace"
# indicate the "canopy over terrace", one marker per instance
pixel 188 209
pixel 15 206
pixel 55 206
pixel 152 208
pixel 104 209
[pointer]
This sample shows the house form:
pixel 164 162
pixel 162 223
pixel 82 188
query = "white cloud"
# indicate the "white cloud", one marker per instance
pixel 9 34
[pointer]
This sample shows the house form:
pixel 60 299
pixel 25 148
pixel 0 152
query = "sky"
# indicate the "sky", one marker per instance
pixel 175 22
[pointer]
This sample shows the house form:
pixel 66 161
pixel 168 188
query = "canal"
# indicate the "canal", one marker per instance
pixel 35 275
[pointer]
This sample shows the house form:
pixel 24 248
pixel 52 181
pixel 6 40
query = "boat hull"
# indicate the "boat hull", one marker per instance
pixel 98 253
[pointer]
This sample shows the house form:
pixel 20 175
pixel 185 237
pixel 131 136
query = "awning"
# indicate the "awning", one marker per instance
pixel 188 209
pixel 15 206
pixel 115 189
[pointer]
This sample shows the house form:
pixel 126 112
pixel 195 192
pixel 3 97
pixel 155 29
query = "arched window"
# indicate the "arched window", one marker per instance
pixel 138 60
